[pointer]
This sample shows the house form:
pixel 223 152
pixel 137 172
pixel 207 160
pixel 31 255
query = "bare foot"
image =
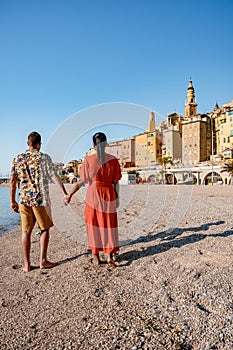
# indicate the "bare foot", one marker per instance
pixel 110 260
pixel 111 263
pixel 27 268
pixel 47 265
pixel 95 259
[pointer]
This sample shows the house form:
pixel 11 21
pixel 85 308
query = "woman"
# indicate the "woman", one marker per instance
pixel 101 171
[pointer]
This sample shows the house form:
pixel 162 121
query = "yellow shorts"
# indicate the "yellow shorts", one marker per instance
pixel 29 216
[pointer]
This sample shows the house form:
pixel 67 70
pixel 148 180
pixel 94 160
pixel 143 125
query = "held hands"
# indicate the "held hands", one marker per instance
pixel 67 199
pixel 15 207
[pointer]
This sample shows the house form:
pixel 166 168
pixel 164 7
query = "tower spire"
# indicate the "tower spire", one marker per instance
pixel 151 123
pixel 191 105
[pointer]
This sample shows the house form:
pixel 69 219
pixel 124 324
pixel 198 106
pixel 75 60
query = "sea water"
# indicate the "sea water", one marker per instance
pixel 8 219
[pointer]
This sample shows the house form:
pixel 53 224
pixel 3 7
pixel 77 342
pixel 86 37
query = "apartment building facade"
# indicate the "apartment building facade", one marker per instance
pixel 223 130
pixel 196 139
pixel 172 137
pixel 148 148
pixel 124 151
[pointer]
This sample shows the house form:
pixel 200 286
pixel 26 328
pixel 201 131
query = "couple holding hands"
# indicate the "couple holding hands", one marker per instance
pixel 32 171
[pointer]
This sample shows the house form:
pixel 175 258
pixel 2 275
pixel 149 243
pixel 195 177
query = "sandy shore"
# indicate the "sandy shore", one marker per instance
pixel 171 290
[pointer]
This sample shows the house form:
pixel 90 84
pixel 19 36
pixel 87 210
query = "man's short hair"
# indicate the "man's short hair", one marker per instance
pixel 33 139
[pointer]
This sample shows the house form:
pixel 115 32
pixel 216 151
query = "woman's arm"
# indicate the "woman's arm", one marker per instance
pixel 75 188
pixel 117 190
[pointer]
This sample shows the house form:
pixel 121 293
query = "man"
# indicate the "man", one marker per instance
pixel 32 171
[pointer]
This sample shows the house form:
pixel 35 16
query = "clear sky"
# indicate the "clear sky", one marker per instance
pixel 60 57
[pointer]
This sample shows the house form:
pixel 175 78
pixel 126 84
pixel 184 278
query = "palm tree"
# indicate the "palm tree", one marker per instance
pixel 228 167
pixel 164 161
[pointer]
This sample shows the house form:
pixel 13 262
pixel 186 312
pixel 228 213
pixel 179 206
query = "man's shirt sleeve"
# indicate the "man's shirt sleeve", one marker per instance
pixel 50 166
pixel 14 168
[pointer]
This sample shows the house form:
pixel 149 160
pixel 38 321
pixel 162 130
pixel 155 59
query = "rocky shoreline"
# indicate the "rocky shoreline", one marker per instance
pixel 172 288
pixel 4 184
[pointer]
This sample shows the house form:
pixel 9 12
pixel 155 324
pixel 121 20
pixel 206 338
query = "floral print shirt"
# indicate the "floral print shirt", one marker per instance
pixel 33 171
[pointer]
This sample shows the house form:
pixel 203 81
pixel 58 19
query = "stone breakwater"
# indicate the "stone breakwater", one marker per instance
pixel 171 290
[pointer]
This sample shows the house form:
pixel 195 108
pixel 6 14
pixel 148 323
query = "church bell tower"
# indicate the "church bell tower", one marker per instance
pixel 151 123
pixel 191 105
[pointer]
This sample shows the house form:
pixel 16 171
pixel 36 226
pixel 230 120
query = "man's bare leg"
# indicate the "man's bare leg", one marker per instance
pixel 44 242
pixel 26 246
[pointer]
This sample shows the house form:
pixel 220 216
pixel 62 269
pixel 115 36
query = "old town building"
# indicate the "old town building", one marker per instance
pixel 128 153
pixel 115 149
pixel 172 137
pixel 196 139
pixel 124 151
pixel 222 118
pixel 196 132
pixel 189 140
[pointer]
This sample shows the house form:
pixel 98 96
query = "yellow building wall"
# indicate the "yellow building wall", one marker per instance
pixel 224 131
pixel 147 149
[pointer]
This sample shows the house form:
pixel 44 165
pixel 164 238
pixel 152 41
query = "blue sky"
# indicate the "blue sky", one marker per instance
pixel 60 57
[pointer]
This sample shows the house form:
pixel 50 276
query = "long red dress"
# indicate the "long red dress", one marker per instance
pixel 100 210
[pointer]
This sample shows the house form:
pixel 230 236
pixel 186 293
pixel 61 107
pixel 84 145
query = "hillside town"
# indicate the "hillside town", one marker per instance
pixel 189 148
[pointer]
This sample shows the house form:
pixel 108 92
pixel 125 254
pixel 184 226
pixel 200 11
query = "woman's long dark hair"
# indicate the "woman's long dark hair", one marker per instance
pixel 100 140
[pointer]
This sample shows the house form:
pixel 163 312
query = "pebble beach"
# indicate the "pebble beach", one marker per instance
pixel 172 288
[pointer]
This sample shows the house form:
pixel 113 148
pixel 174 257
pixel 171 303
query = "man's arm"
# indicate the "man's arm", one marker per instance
pixel 59 183
pixel 13 186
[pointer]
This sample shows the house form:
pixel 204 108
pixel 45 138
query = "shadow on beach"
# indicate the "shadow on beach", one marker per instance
pixel 64 261
pixel 170 241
